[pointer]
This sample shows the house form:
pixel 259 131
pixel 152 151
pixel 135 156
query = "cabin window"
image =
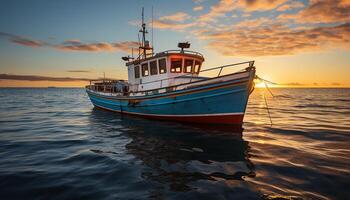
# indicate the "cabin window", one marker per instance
pixel 197 66
pixel 162 66
pixel 176 65
pixel 145 71
pixel 188 66
pixel 137 71
pixel 153 67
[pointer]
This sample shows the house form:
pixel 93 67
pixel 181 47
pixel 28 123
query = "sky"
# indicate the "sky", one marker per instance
pixel 295 43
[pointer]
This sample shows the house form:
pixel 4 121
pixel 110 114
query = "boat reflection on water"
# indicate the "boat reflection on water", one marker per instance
pixel 198 160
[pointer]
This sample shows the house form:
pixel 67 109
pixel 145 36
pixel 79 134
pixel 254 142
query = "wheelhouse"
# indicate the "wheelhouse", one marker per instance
pixel 164 69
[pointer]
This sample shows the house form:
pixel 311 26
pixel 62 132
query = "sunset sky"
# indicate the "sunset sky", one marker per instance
pixel 63 42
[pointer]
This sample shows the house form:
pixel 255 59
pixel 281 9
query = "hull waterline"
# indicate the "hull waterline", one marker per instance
pixel 226 118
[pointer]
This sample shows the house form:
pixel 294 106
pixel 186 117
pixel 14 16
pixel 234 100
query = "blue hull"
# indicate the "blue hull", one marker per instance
pixel 223 102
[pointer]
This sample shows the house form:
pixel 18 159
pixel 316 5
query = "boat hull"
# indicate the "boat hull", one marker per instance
pixel 220 103
pixel 225 118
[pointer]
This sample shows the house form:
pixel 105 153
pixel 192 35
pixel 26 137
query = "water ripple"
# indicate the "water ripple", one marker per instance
pixel 54 145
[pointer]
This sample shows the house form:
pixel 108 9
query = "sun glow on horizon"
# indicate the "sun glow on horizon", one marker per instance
pixel 260 85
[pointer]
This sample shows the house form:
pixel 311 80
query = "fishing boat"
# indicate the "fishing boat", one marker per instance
pixel 170 85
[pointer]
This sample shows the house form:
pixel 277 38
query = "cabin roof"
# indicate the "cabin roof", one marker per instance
pixel 168 53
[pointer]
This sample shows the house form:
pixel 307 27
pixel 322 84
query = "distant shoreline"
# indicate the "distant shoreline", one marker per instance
pixel 42 87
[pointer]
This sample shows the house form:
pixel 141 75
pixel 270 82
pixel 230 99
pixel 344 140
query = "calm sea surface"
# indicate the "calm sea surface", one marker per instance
pixel 55 145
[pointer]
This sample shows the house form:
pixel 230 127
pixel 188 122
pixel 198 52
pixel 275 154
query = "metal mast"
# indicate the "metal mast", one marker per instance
pixel 143 31
pixel 144 44
pixel 152 33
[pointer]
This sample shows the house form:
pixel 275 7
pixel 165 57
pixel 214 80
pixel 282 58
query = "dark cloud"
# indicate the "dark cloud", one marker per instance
pixel 72 45
pixel 27 42
pixel 22 40
pixel 293 84
pixel 39 78
pixel 78 46
pixel 125 46
pixel 78 71
pixel 72 42
pixel 75 45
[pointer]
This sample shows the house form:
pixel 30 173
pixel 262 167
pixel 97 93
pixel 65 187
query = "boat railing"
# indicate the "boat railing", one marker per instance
pixel 251 64
pixel 108 84
pixel 180 51
pixel 163 53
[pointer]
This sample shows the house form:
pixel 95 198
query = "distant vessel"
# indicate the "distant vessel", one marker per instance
pixel 167 86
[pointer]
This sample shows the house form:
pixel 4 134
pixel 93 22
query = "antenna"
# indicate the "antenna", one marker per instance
pixel 152 33
pixel 138 35
pixel 144 45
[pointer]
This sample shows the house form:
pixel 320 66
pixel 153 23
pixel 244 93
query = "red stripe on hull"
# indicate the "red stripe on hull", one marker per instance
pixel 218 119
pixel 234 119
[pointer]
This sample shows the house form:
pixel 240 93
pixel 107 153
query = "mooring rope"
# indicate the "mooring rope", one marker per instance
pixel 268 110
pixel 267 87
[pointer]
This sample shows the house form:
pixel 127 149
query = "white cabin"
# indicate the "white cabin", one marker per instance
pixel 163 70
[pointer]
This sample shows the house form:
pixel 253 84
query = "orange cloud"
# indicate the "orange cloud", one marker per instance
pixel 292 5
pixel 176 17
pixel 322 11
pixel 276 39
pixel 218 10
pixel 173 22
pixel 254 22
pixel 258 5
pixel 225 6
pixel 198 8
pixel 265 36
pixel 344 3
pixel 171 25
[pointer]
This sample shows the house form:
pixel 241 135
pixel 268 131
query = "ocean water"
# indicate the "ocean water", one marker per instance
pixel 55 145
